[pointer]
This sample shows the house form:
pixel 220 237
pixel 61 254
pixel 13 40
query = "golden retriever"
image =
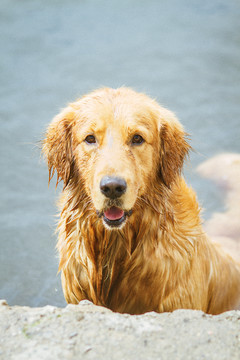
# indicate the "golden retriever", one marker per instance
pixel 130 233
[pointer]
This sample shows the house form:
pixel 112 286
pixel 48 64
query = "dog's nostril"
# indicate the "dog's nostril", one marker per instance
pixel 120 189
pixel 105 189
pixel 113 187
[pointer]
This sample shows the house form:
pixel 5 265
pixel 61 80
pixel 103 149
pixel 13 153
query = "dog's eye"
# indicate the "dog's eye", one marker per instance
pixel 90 139
pixel 137 140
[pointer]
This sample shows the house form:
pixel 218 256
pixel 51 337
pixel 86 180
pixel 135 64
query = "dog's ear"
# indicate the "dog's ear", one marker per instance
pixel 173 150
pixel 57 146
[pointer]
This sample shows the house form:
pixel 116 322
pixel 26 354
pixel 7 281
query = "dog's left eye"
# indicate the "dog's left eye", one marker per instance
pixel 90 139
pixel 137 140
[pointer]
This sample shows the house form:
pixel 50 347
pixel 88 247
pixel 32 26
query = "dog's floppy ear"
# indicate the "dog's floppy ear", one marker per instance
pixel 173 149
pixel 57 146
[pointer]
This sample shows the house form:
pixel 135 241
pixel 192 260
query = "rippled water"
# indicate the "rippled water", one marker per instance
pixel 186 54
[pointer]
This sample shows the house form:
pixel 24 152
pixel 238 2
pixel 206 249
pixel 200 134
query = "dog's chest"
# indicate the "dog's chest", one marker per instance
pixel 124 284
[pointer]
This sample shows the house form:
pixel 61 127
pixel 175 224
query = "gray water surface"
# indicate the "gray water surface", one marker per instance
pixel 186 54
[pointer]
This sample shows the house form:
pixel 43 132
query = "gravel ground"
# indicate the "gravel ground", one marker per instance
pixel 86 331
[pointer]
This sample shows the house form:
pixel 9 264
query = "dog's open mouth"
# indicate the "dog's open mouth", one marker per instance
pixel 114 216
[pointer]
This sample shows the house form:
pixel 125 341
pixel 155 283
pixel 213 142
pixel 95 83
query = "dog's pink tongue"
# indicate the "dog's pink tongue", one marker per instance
pixel 114 213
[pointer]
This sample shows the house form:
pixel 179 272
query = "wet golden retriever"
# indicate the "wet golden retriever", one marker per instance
pixel 130 234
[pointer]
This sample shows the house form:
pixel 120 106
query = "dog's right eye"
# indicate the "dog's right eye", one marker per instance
pixel 90 139
pixel 137 140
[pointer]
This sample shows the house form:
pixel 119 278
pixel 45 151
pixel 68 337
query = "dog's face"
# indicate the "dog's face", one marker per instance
pixel 118 143
pixel 115 154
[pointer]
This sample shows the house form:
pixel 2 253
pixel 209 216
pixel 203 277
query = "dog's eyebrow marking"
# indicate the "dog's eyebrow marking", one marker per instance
pixel 144 124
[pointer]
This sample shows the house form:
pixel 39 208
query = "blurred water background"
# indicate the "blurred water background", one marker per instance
pixel 184 53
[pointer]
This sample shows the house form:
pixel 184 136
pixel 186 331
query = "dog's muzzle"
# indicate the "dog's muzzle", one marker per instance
pixel 113 188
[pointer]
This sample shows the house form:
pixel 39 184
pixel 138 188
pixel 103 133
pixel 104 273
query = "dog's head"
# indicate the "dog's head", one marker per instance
pixel 115 145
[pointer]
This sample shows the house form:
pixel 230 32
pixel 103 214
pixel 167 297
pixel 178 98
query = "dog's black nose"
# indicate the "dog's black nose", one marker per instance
pixel 113 187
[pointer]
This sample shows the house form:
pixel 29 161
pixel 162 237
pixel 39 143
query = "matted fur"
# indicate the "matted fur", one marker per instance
pixel 160 259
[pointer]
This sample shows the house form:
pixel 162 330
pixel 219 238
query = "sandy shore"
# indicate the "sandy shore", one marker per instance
pixel 87 331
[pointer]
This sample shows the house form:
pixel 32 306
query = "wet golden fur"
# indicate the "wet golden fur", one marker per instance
pixel 160 259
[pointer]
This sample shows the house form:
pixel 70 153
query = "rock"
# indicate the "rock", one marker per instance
pixel 3 303
pixel 224 227
pixel 92 332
